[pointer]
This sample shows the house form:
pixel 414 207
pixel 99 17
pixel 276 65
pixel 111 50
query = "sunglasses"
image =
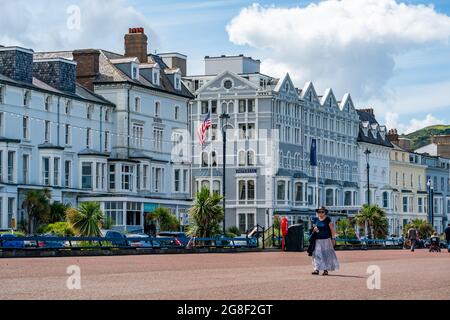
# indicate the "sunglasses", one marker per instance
pixel 321 211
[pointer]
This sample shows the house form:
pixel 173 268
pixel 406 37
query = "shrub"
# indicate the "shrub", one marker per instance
pixel 60 229
pixel 233 230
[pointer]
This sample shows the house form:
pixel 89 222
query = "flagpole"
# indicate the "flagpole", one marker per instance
pixel 317 185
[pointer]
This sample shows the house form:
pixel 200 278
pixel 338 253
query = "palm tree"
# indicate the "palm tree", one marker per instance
pixel 87 219
pixel 206 214
pixel 424 227
pixel 167 221
pixel 374 219
pixel 37 207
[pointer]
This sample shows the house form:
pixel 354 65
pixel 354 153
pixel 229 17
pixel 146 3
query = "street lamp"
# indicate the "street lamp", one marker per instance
pixel 367 153
pixel 430 201
pixel 224 121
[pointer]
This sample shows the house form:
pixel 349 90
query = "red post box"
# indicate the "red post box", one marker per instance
pixel 284 230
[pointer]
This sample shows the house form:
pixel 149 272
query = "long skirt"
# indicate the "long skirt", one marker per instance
pixel 324 257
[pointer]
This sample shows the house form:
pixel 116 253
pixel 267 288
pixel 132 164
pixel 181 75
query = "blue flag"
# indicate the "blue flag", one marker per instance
pixel 313 153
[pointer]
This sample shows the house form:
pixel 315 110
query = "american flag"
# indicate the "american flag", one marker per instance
pixel 203 128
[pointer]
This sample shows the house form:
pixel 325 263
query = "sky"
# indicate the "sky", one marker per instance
pixel 391 55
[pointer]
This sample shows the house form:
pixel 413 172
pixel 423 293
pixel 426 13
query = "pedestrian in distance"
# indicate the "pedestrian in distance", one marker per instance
pixel 413 236
pixel 324 257
pixel 447 236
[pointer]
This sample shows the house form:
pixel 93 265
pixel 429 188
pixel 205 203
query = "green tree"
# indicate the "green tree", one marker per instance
pixel 206 214
pixel 344 229
pixel 424 227
pixel 58 212
pixel 37 206
pixel 166 220
pixel 375 219
pixel 86 220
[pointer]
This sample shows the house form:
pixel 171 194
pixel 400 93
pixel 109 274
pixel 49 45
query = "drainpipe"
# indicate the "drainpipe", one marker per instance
pixel 59 123
pixel 101 128
pixel 128 121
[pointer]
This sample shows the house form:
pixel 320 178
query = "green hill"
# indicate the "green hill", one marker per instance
pixel 423 136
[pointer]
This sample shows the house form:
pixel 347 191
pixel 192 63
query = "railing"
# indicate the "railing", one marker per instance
pixel 68 243
pixel 266 237
pixel 368 243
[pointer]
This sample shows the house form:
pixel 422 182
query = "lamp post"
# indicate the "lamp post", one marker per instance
pixel 430 202
pixel 367 153
pixel 224 118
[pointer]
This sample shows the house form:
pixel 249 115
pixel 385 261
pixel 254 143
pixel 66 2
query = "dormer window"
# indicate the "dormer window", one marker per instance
pixel 26 98
pixel 177 82
pixel 134 71
pixel 156 77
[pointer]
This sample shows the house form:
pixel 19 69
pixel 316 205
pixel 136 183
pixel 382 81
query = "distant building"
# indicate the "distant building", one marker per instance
pixel 122 146
pixel 408 182
pixel 271 126
pixel 437 172
pixel 439 146
pixel 373 137
pixel 50 130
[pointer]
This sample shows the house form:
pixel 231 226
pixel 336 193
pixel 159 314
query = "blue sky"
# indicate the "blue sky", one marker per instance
pixel 403 74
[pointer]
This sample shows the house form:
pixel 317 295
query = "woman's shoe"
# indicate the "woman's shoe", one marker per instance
pixel 316 272
pixel 325 273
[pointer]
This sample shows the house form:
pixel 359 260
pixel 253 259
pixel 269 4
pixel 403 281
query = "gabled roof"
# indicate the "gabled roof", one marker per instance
pixel 378 139
pixel 110 73
pixel 281 83
pixel 231 74
pixel 328 92
pixel 81 92
pixel 308 86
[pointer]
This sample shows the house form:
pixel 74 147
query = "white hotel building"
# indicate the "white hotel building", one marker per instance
pixel 93 125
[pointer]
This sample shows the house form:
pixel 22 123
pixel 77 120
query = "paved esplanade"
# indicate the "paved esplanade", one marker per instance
pixel 274 275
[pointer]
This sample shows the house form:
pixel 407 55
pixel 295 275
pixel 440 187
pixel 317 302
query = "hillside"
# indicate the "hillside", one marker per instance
pixel 422 137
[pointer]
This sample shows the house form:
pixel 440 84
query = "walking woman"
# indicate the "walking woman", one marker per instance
pixel 324 257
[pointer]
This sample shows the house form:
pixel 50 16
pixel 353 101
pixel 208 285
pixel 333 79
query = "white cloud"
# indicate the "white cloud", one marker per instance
pixel 349 45
pixel 392 121
pixel 43 25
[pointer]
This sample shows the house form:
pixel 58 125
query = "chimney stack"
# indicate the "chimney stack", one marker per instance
pixel 87 67
pixel 136 43
pixel 393 136
pixel 17 63
pixel 56 72
pixel 367 110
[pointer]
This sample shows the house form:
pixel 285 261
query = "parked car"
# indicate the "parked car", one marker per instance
pixel 179 239
pixel 115 237
pixel 51 243
pixel 243 242
pixel 8 241
pixel 394 241
pixel 144 243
